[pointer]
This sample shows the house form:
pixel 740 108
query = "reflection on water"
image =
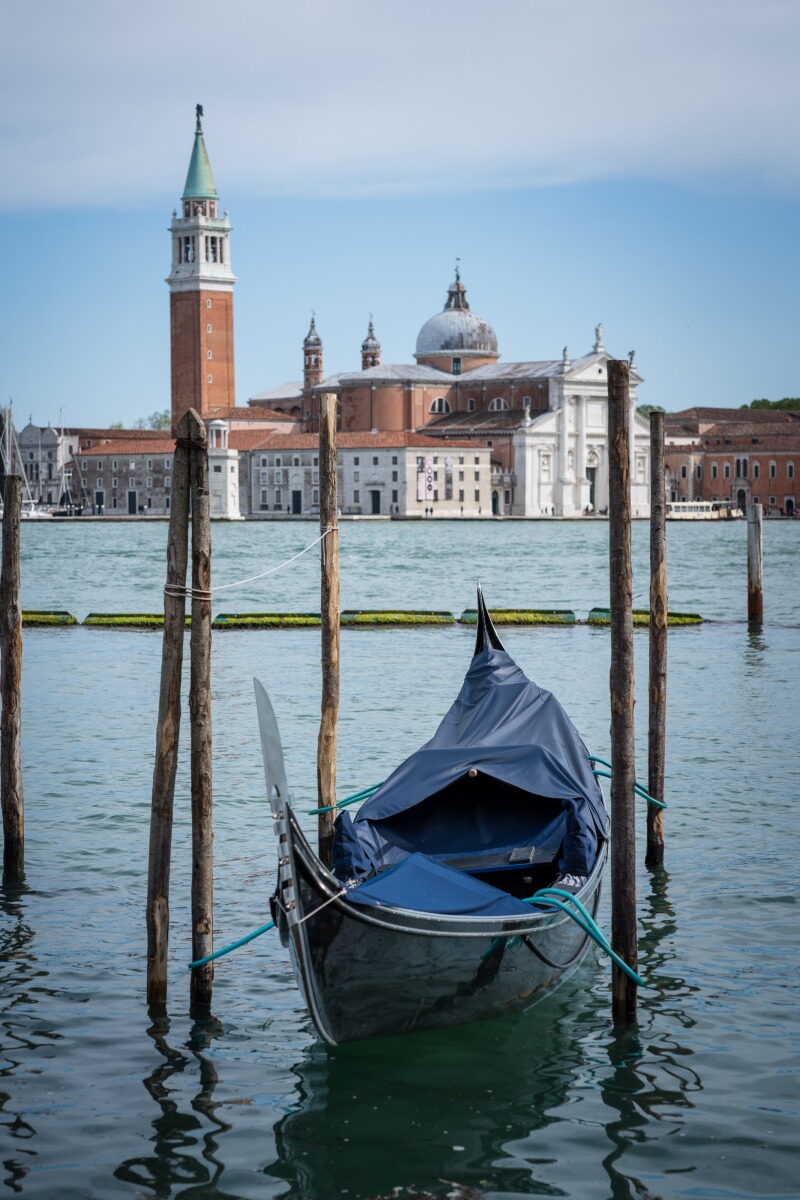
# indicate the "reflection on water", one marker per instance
pixel 22 1034
pixel 184 1161
pixel 650 1084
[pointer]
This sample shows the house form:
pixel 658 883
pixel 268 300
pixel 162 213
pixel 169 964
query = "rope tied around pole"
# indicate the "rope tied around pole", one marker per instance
pixel 175 589
pixel 192 443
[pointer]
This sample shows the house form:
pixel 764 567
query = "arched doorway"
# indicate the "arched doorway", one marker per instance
pixel 741 500
pixel 790 508
pixel 495 504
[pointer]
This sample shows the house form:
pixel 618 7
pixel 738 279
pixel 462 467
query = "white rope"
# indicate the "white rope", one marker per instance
pixel 177 590
pixel 241 582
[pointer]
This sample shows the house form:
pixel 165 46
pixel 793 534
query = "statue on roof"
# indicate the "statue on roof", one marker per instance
pixel 198 109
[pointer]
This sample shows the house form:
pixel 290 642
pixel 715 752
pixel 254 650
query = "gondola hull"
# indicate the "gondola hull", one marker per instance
pixel 377 972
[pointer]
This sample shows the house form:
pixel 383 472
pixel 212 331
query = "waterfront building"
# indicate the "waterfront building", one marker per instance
pixel 379 474
pixel 545 421
pixel 734 455
pixel 44 454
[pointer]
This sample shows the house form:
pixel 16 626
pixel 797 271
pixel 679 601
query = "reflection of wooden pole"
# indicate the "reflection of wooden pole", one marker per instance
pixel 200 716
pixel 11 649
pixel 755 581
pixel 623 844
pixel 657 724
pixel 328 519
pixel 169 720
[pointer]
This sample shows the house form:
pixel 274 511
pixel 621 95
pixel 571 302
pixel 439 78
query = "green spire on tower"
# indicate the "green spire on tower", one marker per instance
pixel 199 182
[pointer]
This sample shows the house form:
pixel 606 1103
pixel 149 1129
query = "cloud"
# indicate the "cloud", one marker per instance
pixel 364 97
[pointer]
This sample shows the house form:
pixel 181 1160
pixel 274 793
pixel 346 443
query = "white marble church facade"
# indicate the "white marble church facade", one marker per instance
pixel 561 455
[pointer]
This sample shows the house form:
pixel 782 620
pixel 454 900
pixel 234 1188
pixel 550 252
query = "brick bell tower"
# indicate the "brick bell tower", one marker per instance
pixel 201 295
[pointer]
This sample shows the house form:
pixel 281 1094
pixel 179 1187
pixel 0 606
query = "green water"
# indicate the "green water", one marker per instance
pixel 101 1099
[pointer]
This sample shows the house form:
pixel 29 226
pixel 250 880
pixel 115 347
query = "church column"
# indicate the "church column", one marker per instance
pixel 580 471
pixel 563 441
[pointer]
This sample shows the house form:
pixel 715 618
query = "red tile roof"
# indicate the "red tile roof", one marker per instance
pixel 133 444
pixel 366 441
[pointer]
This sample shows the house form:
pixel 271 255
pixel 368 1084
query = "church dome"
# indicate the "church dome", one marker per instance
pixel 370 343
pixel 312 339
pixel 457 329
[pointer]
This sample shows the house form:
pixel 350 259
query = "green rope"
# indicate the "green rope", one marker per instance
pixel 593 758
pixel 362 795
pixel 557 897
pixel 201 962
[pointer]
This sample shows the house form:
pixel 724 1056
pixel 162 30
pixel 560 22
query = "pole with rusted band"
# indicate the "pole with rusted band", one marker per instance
pixel 657 691
pixel 11 685
pixel 328 520
pixel 169 722
pixel 200 717
pixel 623 774
pixel 755 579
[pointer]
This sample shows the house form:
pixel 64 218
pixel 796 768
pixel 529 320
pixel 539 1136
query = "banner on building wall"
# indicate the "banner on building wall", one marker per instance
pixel 425 480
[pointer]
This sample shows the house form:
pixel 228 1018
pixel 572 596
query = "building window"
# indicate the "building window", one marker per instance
pixel 394 476
pixel 498 405
pixel 683 471
pixel 471 404
pixel 315 495
pixel 166 504
pixel 149 501
pixel 356 475
pixel 356 461
pixel 210 378
pixel 374 460
pixel 477 476
pixel 713 470
pixel 217 468
pixel 756 470
pixel 477 461
pixel 149 464
pixel 461 494
pixel 209 353
pixel 507 496
pixel 149 481
pixel 278 461
pixel 698 471
pixel 461 473
pixel 790 470
pixel 264 500
pixel 167 481
pixel 456 366
pixel 395 495
pixel 263 460
pixel 477 494
pixel 131 482
pixel 727 471
pixel 356 497
pixel 773 470
pixel 277 495
pixel 264 478
pixel 99 464
pixel 84 465
pixel 208 304
pixel 296 461
pixel 132 464
pixel 436 493
pixel 208 329
pixel 114 483
pixel 439 405
pixel 772 500
pixel 394 460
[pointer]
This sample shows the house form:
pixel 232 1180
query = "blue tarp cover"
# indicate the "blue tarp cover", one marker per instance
pixel 424 885
pixel 534 782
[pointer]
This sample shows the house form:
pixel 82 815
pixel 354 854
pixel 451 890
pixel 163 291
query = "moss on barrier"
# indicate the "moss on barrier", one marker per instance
pixel 271 620
pixel 641 617
pixel 128 620
pixel 33 616
pixel 522 616
pixel 364 618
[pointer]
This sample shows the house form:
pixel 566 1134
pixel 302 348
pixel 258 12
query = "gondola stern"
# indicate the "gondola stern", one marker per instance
pixel 486 634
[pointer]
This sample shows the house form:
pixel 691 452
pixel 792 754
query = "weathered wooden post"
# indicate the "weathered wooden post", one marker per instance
pixel 11 686
pixel 200 717
pixel 657 714
pixel 623 778
pixel 328 520
pixel 755 581
pixel 169 720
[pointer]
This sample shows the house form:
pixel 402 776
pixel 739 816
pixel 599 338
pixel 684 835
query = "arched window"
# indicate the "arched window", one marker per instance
pixel 738 468
pixel 440 405
pixel 498 405
pixel 790 470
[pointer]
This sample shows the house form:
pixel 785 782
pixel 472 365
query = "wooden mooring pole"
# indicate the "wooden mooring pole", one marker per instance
pixel 169 721
pixel 200 716
pixel 623 844
pixel 328 520
pixel 755 580
pixel 11 684
pixel 657 709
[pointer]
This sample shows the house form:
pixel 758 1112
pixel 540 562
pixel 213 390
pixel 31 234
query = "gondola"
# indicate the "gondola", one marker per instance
pixel 422 921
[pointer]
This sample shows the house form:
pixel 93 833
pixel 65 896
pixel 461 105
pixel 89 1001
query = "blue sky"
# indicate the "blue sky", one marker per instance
pixel 627 163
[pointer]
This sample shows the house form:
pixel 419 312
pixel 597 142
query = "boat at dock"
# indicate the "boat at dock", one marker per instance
pixel 467 883
pixel 701 510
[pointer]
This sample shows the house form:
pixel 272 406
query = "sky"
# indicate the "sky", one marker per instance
pixel 634 164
